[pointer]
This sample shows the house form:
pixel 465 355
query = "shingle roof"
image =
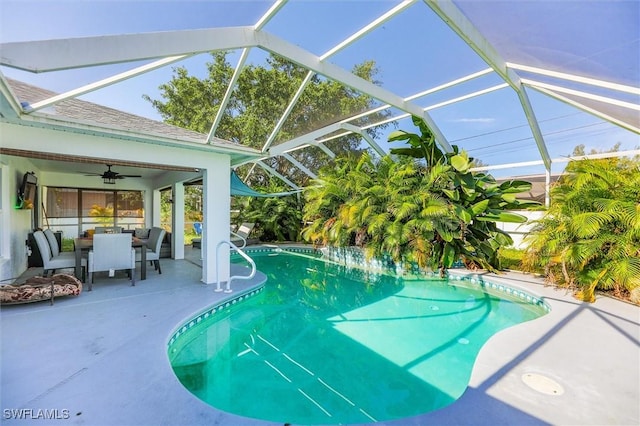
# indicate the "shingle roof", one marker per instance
pixel 88 112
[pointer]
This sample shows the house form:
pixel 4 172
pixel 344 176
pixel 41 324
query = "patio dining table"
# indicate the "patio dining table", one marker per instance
pixel 86 243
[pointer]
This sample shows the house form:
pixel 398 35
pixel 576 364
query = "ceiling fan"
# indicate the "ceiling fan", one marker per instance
pixel 109 176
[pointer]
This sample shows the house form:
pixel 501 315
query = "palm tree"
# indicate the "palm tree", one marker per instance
pixel 323 200
pixel 423 206
pixel 590 236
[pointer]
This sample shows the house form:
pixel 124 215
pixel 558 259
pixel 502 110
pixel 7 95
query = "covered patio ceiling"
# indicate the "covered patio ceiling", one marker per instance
pixel 62 163
pixel 517 84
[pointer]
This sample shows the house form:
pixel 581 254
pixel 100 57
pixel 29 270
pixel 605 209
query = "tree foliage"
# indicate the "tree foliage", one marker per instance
pixel 259 99
pixel 425 207
pixel 589 238
pixel 102 214
pixel 275 218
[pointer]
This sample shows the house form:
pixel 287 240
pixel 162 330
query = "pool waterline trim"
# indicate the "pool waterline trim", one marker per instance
pixel 510 291
pixel 220 306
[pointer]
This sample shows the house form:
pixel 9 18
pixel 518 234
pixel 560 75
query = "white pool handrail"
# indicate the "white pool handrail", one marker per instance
pixel 238 277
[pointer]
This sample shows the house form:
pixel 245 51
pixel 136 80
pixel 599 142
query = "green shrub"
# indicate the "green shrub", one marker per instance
pixel 425 206
pixel 589 239
pixel 511 258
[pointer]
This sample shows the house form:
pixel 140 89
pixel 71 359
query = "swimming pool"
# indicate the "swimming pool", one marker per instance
pixel 320 343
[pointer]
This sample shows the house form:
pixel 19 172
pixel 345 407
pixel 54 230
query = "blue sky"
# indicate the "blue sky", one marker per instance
pixel 431 55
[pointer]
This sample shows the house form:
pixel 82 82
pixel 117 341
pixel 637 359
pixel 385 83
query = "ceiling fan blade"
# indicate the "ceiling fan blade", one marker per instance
pixel 110 174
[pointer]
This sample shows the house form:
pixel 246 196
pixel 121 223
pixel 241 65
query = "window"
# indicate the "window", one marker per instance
pixel 129 204
pixel 62 202
pixel 74 210
pixel 98 205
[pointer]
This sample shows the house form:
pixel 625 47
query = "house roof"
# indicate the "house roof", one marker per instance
pixel 74 113
pixel 83 111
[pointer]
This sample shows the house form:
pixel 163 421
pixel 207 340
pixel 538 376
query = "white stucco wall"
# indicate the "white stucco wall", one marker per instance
pixel 215 227
pixel 519 231
pixel 15 224
pixel 215 166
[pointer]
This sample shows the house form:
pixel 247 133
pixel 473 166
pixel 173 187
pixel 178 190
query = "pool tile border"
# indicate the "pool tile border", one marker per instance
pixel 363 265
pixel 216 308
pixel 210 311
pixel 353 257
pixel 509 291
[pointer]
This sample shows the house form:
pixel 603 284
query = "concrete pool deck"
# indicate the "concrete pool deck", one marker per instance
pixel 101 359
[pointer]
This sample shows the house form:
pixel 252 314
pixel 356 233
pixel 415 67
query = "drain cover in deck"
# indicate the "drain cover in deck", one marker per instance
pixel 542 384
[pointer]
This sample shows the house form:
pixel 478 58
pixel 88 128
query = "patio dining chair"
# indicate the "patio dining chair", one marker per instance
pixel 108 229
pixel 154 244
pixel 62 260
pixel 112 252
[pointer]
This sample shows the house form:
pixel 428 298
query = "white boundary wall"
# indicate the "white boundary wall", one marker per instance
pixel 519 230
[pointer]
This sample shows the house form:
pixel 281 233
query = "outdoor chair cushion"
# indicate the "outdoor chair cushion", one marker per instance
pixel 36 289
pixel 53 243
pixel 142 233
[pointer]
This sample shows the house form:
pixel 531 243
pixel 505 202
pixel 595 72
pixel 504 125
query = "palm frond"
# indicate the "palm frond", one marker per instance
pixel 588 224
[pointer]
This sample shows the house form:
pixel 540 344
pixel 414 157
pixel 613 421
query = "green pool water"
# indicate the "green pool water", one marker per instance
pixel 325 345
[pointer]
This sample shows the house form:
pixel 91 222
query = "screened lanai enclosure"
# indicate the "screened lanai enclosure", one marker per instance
pixel 284 87
pixel 514 83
